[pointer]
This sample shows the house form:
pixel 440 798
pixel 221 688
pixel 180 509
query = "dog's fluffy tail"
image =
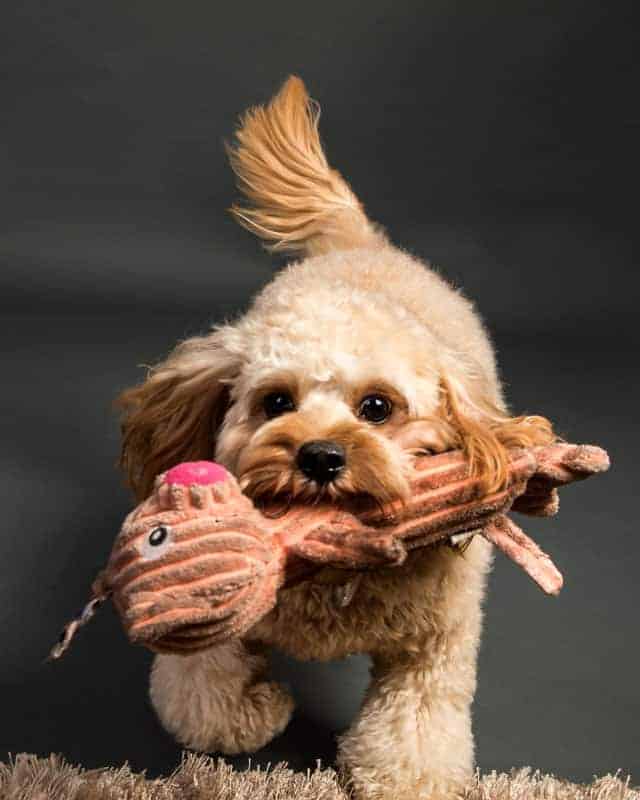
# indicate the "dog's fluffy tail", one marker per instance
pixel 296 201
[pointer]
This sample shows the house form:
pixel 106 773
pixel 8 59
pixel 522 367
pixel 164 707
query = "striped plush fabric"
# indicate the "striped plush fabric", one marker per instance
pixel 197 563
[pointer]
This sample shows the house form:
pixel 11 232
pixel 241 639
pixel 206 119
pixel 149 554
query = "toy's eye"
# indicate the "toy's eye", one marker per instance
pixel 375 408
pixel 276 403
pixel 158 536
pixel 155 543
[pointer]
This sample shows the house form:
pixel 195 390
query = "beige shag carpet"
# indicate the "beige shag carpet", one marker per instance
pixel 28 777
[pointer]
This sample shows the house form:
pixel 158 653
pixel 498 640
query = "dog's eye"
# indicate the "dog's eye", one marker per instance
pixel 276 403
pixel 375 408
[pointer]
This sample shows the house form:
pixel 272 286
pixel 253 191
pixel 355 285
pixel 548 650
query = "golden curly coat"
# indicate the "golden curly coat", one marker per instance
pixel 355 317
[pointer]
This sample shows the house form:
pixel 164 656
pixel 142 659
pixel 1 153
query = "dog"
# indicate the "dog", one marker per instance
pixel 354 358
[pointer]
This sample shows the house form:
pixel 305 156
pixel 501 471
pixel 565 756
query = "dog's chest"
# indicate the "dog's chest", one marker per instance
pixel 319 620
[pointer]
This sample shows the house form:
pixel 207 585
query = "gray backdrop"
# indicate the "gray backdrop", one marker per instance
pixel 497 139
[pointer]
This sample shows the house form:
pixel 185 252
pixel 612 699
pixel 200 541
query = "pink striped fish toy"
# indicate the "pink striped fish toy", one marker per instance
pixel 197 563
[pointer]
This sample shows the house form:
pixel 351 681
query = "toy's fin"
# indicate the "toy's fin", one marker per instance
pixel 99 593
pixel 523 551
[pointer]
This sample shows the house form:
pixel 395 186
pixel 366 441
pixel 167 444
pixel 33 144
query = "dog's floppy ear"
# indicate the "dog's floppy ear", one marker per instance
pixel 485 432
pixel 174 415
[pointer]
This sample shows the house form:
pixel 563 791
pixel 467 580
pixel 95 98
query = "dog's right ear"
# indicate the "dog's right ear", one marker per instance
pixel 174 415
pixel 486 432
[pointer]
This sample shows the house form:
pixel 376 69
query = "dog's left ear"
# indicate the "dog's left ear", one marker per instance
pixel 486 432
pixel 174 415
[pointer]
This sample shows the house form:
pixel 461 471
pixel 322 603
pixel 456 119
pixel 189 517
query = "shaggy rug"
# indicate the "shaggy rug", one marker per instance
pixel 28 777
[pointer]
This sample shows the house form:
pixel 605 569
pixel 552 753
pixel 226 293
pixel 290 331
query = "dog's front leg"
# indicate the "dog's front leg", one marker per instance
pixel 219 700
pixel 413 736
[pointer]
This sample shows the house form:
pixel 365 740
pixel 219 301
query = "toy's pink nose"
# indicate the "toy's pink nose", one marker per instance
pixel 202 473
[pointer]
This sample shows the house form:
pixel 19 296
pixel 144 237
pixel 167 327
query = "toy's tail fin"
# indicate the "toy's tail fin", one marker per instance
pixel 296 201
pixel 99 593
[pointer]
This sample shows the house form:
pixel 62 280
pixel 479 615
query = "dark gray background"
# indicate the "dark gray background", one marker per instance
pixel 497 139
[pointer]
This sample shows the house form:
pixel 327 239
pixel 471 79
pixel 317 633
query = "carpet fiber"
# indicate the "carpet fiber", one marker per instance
pixel 200 778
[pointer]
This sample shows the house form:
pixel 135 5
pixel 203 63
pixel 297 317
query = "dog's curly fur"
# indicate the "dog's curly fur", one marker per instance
pixel 356 315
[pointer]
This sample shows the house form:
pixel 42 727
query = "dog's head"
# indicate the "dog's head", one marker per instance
pixel 320 396
pixel 346 364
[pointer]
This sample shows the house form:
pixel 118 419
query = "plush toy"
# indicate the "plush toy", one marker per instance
pixel 197 563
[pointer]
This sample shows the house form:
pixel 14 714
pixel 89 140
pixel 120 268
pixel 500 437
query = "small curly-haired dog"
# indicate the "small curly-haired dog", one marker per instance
pixel 350 361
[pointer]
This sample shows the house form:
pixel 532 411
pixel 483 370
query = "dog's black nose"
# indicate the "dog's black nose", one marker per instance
pixel 321 460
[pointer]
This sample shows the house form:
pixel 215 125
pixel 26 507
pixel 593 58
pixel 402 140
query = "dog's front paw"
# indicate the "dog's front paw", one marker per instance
pixel 211 711
pixel 263 713
pixel 397 770
pixel 392 787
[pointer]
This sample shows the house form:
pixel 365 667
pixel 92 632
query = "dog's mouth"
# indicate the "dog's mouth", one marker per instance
pixel 275 491
pixel 278 487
